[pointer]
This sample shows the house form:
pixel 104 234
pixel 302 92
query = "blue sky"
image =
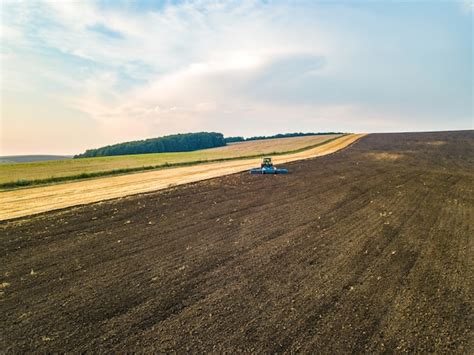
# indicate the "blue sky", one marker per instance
pixel 82 74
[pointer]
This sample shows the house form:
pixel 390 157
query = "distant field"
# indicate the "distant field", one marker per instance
pixel 31 158
pixel 22 202
pixel 73 167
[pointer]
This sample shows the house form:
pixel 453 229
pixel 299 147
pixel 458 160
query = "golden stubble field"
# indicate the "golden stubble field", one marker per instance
pixel 23 202
pixel 71 167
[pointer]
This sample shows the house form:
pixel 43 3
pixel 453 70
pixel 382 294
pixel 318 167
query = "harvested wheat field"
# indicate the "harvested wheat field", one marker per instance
pixel 365 250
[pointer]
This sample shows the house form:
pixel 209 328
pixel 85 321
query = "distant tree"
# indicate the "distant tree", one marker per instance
pixel 173 143
pixel 234 139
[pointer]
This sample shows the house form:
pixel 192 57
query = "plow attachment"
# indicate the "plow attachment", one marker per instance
pixel 268 171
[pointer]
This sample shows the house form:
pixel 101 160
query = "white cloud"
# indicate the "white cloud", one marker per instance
pixel 200 56
pixel 467 6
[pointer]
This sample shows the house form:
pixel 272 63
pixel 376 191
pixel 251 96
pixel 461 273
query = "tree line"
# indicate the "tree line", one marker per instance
pixel 173 143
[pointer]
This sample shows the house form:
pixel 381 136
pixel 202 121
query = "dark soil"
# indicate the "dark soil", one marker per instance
pixel 366 250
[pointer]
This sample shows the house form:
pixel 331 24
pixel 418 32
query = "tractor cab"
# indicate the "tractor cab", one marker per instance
pixel 266 163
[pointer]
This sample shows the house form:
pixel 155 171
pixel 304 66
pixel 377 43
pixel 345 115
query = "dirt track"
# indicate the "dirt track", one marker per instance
pixel 24 202
pixel 369 249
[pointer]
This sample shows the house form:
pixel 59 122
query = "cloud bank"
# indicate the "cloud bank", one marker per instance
pixel 115 71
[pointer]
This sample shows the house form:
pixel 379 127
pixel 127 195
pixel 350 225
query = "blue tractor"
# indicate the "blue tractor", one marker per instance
pixel 267 167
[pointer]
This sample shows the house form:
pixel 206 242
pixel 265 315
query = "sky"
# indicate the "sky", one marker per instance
pixel 78 74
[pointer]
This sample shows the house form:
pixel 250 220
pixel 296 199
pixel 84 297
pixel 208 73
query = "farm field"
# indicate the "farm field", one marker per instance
pixel 11 159
pixel 366 250
pixel 71 167
pixel 23 202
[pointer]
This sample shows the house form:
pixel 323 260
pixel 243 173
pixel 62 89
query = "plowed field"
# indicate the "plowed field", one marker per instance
pixel 368 249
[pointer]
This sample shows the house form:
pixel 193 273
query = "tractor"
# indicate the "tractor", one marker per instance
pixel 267 167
